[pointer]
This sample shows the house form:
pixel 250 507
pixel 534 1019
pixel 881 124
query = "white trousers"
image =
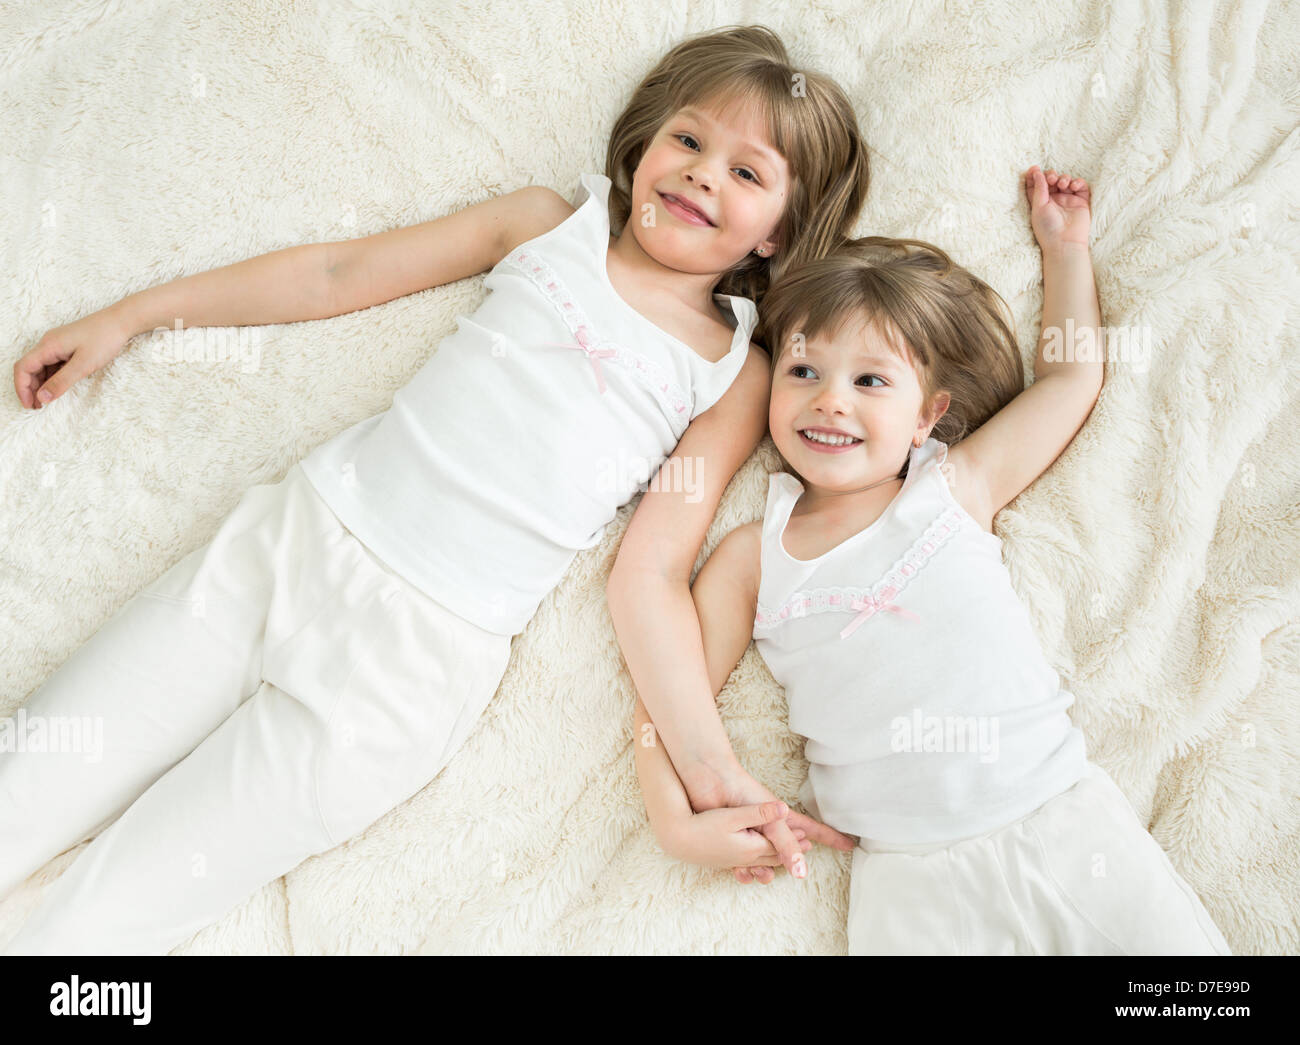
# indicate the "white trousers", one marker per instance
pixel 272 694
pixel 1080 875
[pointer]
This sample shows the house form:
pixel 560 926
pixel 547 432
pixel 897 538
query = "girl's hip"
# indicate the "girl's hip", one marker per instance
pixel 330 611
pixel 1078 875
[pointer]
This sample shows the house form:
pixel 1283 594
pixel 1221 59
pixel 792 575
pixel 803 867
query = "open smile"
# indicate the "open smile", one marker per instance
pixel 827 440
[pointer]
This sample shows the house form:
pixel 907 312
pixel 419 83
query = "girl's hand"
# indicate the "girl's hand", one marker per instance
pixel 734 787
pixel 66 354
pixel 727 836
pixel 1060 208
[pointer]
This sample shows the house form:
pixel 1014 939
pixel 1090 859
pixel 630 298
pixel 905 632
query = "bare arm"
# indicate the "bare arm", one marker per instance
pixel 725 594
pixel 649 590
pixel 320 280
pixel 1020 441
pixel 715 838
pixel 313 281
pixel 284 286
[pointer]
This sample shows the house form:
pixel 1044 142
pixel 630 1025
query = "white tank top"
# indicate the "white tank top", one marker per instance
pixel 912 669
pixel 534 421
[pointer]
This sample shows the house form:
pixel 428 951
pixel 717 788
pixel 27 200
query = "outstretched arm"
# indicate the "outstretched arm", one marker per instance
pixel 296 284
pixel 1020 441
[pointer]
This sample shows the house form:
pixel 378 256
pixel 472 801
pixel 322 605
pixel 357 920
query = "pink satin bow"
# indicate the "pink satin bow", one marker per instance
pixel 594 354
pixel 869 606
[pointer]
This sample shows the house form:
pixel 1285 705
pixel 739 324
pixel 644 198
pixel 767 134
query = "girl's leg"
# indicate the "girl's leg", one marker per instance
pixel 370 689
pixel 152 682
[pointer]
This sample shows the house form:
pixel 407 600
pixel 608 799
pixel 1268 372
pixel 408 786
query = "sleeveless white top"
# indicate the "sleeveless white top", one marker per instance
pixel 534 421
pixel 911 667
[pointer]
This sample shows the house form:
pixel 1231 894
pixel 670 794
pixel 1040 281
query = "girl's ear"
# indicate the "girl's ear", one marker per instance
pixel 938 407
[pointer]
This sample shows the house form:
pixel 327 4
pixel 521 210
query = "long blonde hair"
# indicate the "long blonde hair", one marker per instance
pixel 954 327
pixel 810 122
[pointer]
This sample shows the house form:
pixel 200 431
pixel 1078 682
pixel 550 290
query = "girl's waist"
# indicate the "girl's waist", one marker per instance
pixel 919 801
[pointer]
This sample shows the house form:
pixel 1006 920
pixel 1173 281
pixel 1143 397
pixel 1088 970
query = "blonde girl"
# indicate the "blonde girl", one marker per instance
pixel 327 652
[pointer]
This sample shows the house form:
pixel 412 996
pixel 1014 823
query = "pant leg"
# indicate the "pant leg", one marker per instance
pixel 1118 892
pixel 160 675
pixel 933 899
pixel 1080 875
pixel 370 688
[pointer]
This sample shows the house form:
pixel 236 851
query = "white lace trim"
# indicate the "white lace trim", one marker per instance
pixel 896 578
pixel 599 348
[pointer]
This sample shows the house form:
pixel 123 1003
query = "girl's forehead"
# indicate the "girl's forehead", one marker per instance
pixel 860 332
pixel 738 112
pixel 855 340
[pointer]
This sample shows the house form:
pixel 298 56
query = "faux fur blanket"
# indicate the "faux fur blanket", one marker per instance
pixel 1159 557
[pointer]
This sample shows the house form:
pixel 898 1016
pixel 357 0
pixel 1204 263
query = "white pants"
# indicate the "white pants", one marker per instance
pixel 272 694
pixel 1079 875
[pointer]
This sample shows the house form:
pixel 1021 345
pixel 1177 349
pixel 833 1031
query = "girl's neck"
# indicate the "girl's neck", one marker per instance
pixel 637 269
pixel 863 503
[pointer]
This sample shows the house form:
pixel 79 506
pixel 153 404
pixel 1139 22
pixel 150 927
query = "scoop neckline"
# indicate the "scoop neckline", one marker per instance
pixel 627 305
pixel 785 523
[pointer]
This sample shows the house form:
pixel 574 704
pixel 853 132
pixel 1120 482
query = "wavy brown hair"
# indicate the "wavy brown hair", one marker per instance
pixel 948 323
pixel 810 122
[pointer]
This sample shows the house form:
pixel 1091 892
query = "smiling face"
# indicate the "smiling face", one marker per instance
pixel 709 189
pixel 845 412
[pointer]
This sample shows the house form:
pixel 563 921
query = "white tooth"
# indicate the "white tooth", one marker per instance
pixel 830 440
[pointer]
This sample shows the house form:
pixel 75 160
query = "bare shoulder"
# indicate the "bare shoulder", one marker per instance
pixel 729 430
pixel 968 484
pixel 739 556
pixel 749 392
pixel 534 210
pixel 757 360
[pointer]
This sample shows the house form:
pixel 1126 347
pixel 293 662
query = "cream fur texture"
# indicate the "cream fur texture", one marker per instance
pixel 1159 556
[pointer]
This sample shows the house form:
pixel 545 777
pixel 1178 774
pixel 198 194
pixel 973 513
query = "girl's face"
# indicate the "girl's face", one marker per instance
pixel 856 392
pixel 721 164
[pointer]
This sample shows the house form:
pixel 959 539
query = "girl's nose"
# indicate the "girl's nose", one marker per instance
pixel 701 176
pixel 831 398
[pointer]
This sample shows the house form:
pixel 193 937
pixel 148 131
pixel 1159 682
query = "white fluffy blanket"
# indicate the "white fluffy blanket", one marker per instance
pixel 1160 556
